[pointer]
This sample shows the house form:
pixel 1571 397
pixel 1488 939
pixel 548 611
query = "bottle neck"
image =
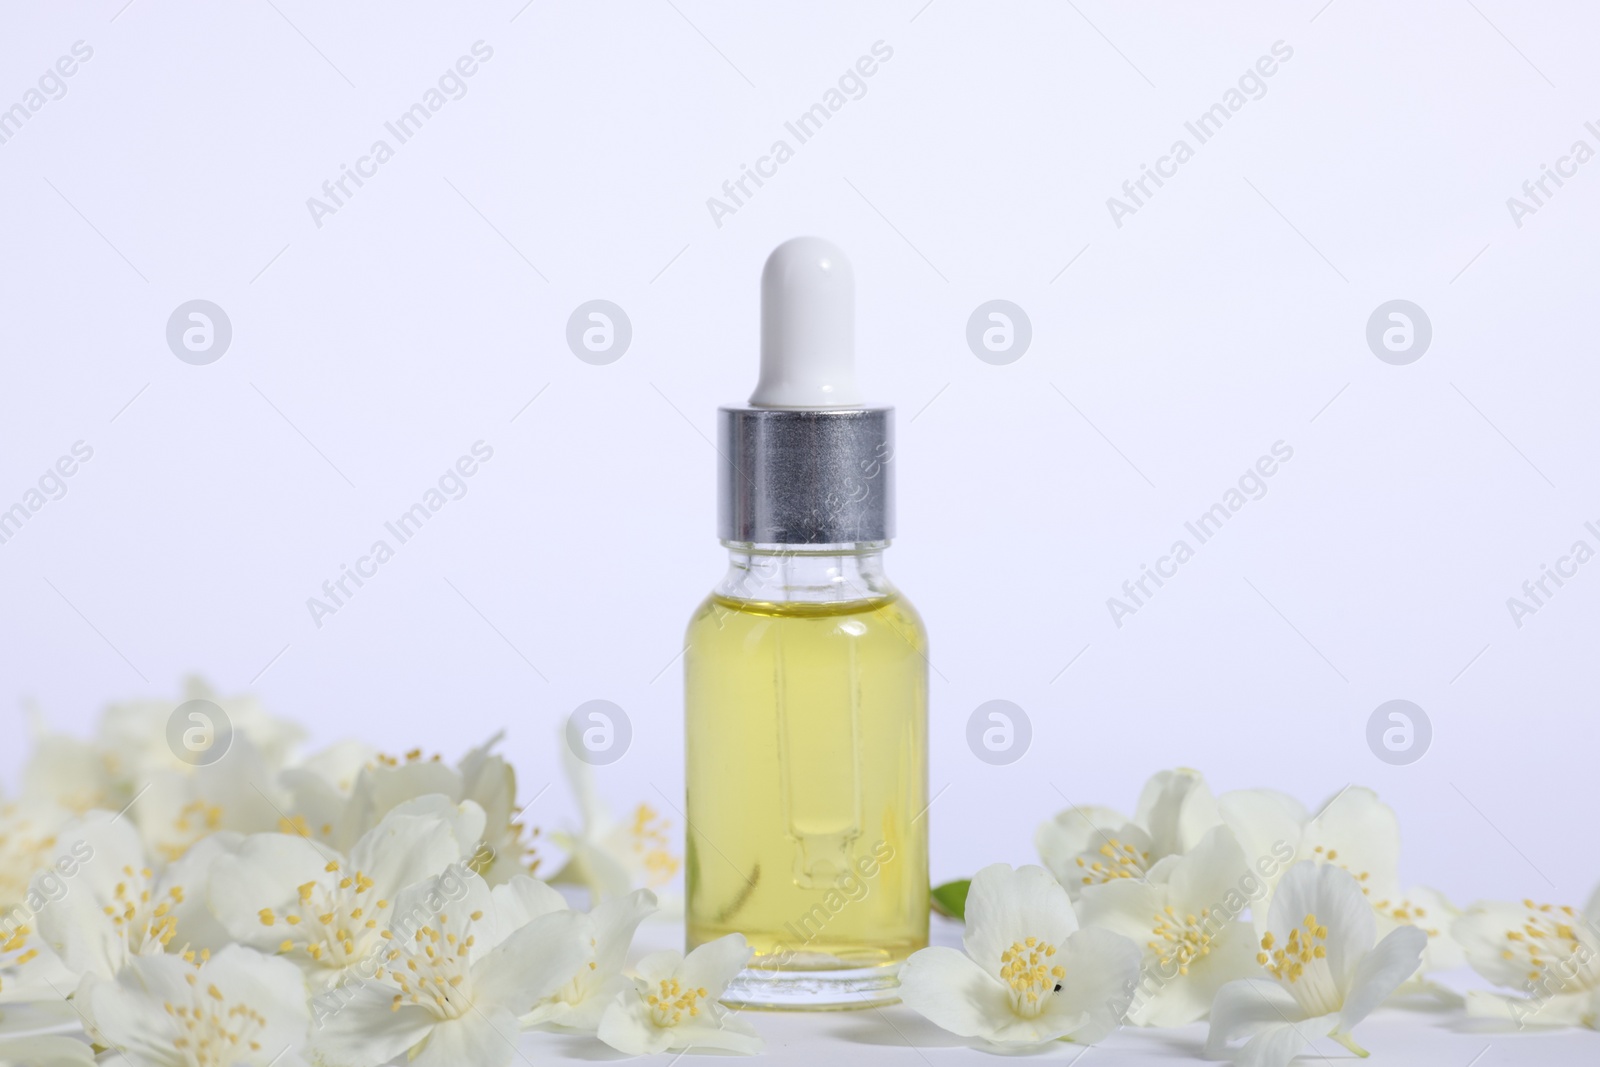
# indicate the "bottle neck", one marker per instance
pixel 805 574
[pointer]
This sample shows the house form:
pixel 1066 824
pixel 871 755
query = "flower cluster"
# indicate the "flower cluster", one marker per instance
pixel 1280 926
pixel 349 906
pixel 361 909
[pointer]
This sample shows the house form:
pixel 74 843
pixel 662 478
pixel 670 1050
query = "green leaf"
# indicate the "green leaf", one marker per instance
pixel 951 898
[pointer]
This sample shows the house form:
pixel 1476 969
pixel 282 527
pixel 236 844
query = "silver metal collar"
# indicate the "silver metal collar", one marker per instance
pixel 802 477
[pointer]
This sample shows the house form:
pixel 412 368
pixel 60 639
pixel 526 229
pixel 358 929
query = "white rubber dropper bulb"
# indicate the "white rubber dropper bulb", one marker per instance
pixel 808 325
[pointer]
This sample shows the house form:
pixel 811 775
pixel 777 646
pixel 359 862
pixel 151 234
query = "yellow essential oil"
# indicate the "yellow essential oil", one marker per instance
pixel 806 675
pixel 807 771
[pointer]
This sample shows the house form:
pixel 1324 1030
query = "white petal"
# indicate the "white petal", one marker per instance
pixel 655 966
pixel 274 987
pixel 1176 808
pixel 580 776
pixel 448 903
pixel 486 1037
pixel 240 790
pixel 713 965
pixel 321 789
pixel 626 1027
pixel 490 780
pixel 719 1030
pixel 124 1008
pixel 405 848
pixel 67 771
pixel 1166 999
pixel 319 804
pixel 591 866
pixel 1363 835
pixel 583 1015
pixel 1268 825
pixel 75 925
pixel 128 1011
pixel 1125 906
pixel 615 923
pixel 198 926
pixel 1380 972
pixel 1061 839
pixel 523 899
pixel 41 1016
pixel 1517 1013
pixel 1006 906
pixel 532 963
pixel 1432 913
pixel 467 819
pixel 1209 875
pixel 263 871
pixel 46 1052
pixel 1481 933
pixel 1160 872
pixel 339 763
pixel 1246 1009
pixel 1102 971
pixel 365 1031
pixel 1277 1045
pixel 1332 895
pixel 380 789
pixel 950 990
pixel 37 983
pixel 1125 852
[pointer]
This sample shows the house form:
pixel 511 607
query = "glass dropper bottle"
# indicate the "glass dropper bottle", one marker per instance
pixel 806 675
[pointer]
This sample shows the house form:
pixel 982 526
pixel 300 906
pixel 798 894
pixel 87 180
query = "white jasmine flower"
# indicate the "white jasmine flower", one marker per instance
pixel 1549 953
pixel 1028 975
pixel 458 972
pixel 1354 831
pixel 181 807
pixel 131 751
pixel 1090 845
pixel 1358 833
pixel 133 735
pixel 482 777
pixel 580 1003
pixel 326 911
pixel 1327 969
pixel 1190 919
pixel 1079 833
pixel 117 907
pixel 612 858
pixel 673 1003
pixel 319 789
pixel 238 1008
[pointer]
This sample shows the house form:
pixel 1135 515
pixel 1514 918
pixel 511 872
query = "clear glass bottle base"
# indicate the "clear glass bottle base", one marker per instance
pixel 843 989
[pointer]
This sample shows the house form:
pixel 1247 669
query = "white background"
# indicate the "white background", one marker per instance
pixel 1227 314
